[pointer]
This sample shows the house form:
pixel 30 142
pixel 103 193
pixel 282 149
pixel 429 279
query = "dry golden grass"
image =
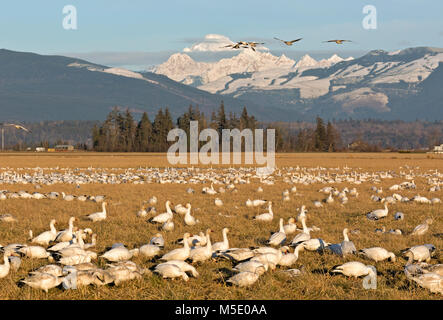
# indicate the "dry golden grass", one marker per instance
pixel 122 225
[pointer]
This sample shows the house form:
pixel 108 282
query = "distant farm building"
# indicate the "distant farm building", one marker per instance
pixel 64 147
pixel 438 149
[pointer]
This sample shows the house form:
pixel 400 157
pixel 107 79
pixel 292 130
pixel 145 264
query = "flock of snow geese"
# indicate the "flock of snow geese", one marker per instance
pixel 70 251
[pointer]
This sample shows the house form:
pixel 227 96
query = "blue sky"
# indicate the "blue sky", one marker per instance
pixel 155 29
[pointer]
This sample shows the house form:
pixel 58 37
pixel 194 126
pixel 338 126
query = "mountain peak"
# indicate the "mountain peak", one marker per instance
pixel 306 61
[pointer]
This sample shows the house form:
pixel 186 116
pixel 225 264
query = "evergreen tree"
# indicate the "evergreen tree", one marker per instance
pixel 143 134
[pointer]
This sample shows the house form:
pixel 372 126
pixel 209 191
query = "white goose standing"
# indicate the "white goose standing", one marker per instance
pixel 98 216
pixel 47 236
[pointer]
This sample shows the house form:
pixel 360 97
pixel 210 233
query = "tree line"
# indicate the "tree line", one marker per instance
pixel 121 133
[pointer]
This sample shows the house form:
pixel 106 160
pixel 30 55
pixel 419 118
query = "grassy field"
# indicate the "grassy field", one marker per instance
pixel 123 226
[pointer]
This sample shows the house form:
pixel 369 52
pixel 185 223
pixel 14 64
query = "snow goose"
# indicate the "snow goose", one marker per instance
pixel 255 203
pixel 421 229
pixel 189 219
pixel 223 245
pixel 170 271
pixel 291 227
pixel 5 267
pixel 43 281
pixel 35 252
pixel 120 253
pixel 329 199
pixel 149 250
pixel 52 269
pixel 355 269
pixel 7 218
pixel 279 237
pixel 303 236
pixel 184 266
pixel 98 216
pixel 266 217
pixel 92 244
pixel 237 254
pixel 180 209
pixel 419 253
pixel 218 202
pixel 152 201
pixel 302 213
pixel 399 216
pixel 45 237
pixel 429 280
pixel 67 234
pixel 251 266
pixel 377 254
pixel 67 197
pixel 347 246
pixel 378 214
pixel 157 240
pixel 163 217
pixel 244 279
pixel 288 259
pixel 168 225
pixel 201 254
pixel 179 253
pixel 196 240
pixel 315 244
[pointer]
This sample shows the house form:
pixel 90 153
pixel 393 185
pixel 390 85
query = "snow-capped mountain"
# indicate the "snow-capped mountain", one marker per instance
pixel 376 84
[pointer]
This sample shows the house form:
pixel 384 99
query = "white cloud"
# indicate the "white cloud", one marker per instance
pixel 213 43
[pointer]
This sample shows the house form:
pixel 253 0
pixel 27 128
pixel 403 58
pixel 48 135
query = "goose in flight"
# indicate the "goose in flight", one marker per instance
pixel 17 126
pixel 288 43
pixel 338 41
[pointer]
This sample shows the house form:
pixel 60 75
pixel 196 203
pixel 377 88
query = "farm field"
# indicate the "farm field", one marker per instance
pixel 125 199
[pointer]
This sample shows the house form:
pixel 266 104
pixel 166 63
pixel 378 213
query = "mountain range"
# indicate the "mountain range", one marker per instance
pixel 388 85
pixel 403 85
pixel 38 87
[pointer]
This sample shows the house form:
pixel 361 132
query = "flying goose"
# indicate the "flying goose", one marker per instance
pixel 288 43
pixel 338 41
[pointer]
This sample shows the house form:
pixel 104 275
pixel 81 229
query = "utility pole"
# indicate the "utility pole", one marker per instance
pixel 3 139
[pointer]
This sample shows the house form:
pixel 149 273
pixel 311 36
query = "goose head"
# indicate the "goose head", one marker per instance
pixel 392 257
